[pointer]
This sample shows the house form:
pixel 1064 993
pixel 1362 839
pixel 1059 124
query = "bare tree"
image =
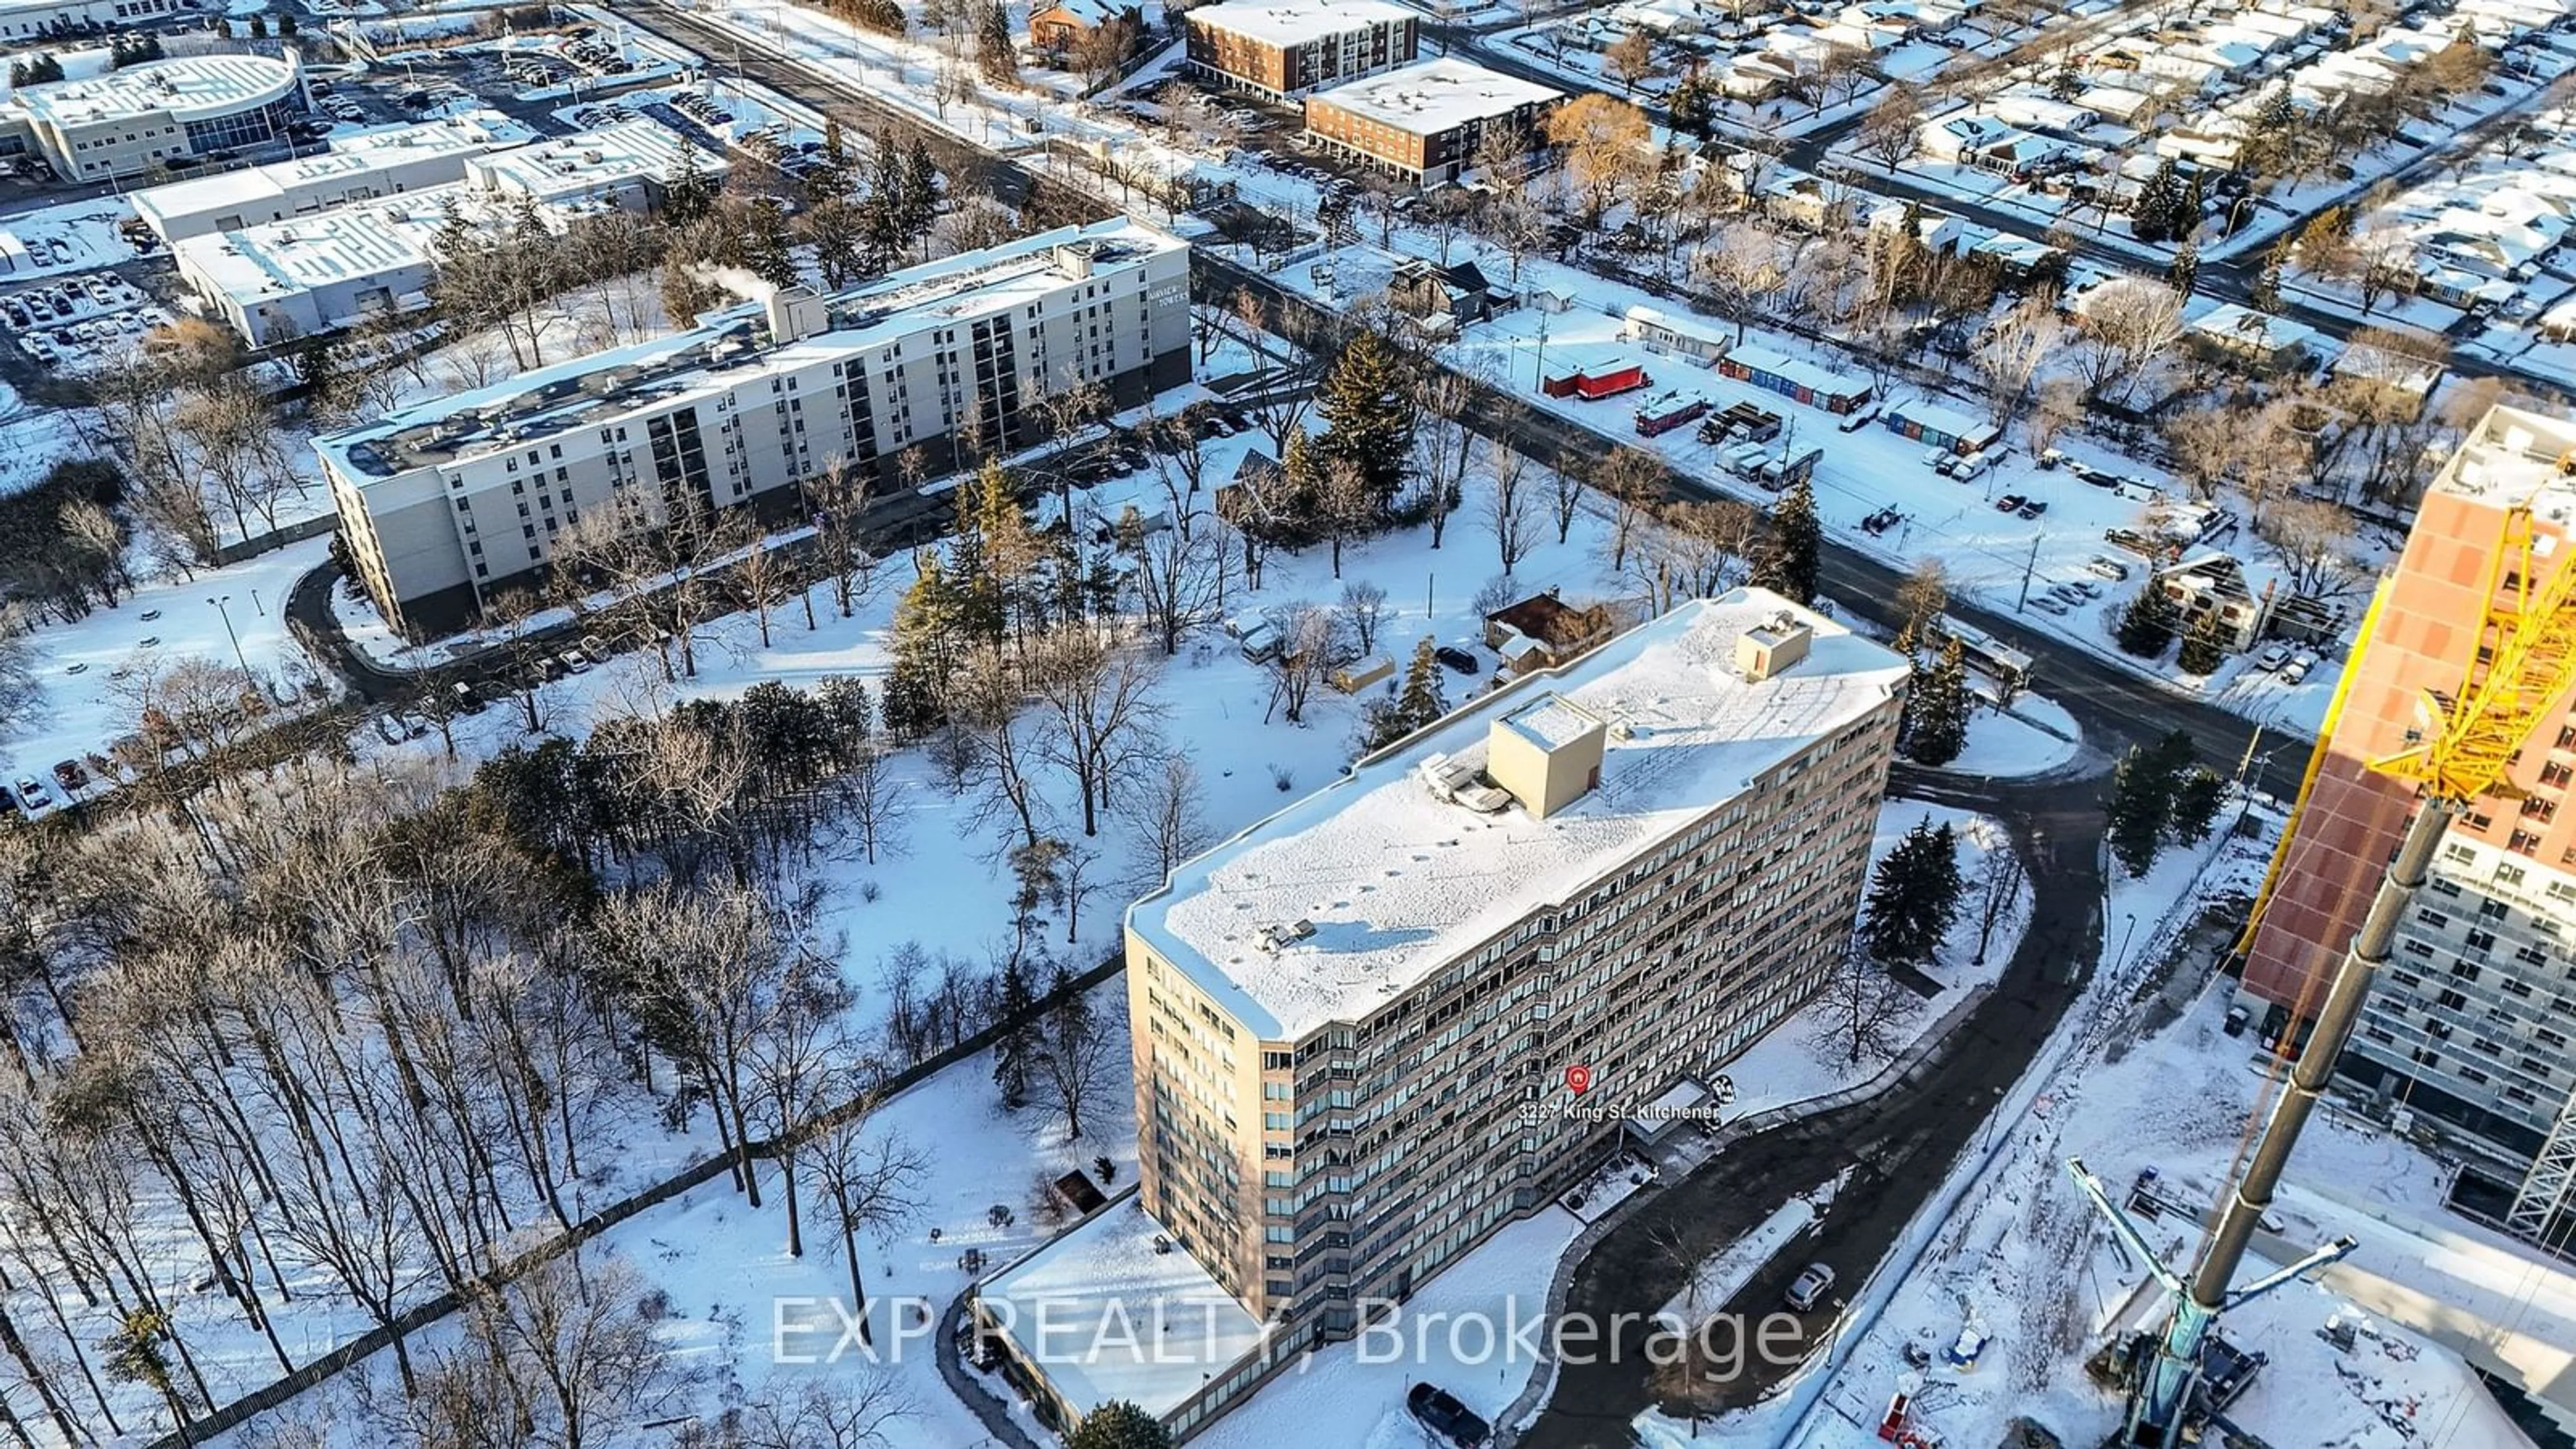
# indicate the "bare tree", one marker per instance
pixel 2000 878
pixel 1447 444
pixel 867 1180
pixel 2313 538
pixel 1364 609
pixel 1632 481
pixel 1077 1054
pixel 2014 347
pixel 878 802
pixel 567 1354
pixel 835 499
pixel 1507 512
pixel 857 1408
pixel 1102 703
pixel 1565 494
pixel 1863 1013
pixel 1304 636
pixel 1888 134
pixel 1165 815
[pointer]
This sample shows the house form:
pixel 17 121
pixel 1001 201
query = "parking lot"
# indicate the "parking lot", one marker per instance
pixel 81 323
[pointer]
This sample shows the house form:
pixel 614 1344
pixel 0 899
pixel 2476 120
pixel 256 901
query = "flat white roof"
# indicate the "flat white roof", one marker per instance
pixel 349 158
pixel 1399 881
pixel 1106 1316
pixel 1294 22
pixel 590 161
pixel 1551 721
pixel 196 87
pixel 2512 457
pixel 368 238
pixel 1435 96
pixel 717 355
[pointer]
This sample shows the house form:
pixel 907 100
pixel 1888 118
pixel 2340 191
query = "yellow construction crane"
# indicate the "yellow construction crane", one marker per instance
pixel 2522 663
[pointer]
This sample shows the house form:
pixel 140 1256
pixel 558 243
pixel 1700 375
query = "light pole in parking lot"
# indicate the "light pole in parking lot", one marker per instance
pixel 227 615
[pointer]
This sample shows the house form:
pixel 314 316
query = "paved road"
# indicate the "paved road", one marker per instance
pixel 1897 1146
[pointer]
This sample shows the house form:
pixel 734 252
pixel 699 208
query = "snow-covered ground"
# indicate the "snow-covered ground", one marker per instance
pixel 2032 737
pixel 69 236
pixel 84 668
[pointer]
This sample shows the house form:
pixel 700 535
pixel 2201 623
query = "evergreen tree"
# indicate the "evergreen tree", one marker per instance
pixel 930 623
pixel 2157 213
pixel 1937 710
pixel 911 709
pixel 766 251
pixel 687 193
pixel 1120 1425
pixel 2265 294
pixel 1367 404
pixel 2140 804
pixel 2147 625
pixel 920 192
pixel 1421 703
pixel 2067 84
pixel 2185 267
pixel 993 50
pixel 2202 652
pixel 1693 106
pixel 1015 1050
pixel 2195 804
pixel 259 27
pixel 1913 896
pixel 287 26
pixel 1790 555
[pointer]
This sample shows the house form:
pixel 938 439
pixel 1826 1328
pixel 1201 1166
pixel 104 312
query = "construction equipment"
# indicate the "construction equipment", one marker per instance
pixel 2522 660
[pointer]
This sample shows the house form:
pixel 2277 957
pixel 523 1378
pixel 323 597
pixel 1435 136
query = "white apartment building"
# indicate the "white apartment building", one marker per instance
pixel 362 167
pixel 325 269
pixel 1353 1023
pixel 127 121
pixel 446 503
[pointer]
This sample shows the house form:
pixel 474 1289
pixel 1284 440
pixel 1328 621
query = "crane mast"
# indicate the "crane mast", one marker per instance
pixel 2522 664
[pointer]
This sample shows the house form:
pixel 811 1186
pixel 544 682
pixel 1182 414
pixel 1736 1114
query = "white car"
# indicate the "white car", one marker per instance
pixel 2272 658
pixel 572 659
pixel 2299 665
pixel 1932 457
pixel 2049 602
pixel 1971 468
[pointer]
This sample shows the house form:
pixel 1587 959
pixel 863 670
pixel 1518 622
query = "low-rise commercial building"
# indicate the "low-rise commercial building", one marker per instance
pixel 357 168
pixel 38 19
pixel 327 269
pixel 1285 48
pixel 445 504
pixel 1425 123
pixel 128 121
pixel 1353 1022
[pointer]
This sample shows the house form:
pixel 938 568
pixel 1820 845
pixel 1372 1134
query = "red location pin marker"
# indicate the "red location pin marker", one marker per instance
pixel 1579 1078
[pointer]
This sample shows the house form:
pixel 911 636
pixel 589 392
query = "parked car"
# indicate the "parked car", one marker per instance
pixel 2032 508
pixel 387 730
pixel 1450 1421
pixel 1937 459
pixel 1809 1288
pixel 2272 657
pixel 2299 665
pixel 2086 587
pixel 70 775
pixel 1971 469
pixel 2050 603
pixel 2109 568
pixel 2050 458
pixel 573 661
pixel 1457 659
pixel 2008 503
pixel 596 647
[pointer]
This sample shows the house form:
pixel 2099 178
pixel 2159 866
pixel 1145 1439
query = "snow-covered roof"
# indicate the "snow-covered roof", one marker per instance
pixel 2241 326
pixel 2514 455
pixel 1286 23
pixel 1435 96
pixel 590 164
pixel 344 243
pixel 1398 880
pixel 190 88
pixel 350 162
pixel 1108 1317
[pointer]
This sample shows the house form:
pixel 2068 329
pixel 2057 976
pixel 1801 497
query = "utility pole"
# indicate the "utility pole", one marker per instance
pixel 2028 566
pixel 238 657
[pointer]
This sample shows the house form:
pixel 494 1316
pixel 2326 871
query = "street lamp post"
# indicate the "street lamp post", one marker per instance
pixel 238 657
pixel 2122 963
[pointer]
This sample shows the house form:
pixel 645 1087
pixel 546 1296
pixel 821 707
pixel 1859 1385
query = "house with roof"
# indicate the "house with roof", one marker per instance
pixel 1458 291
pixel 2212 585
pixel 1543 631
pixel 2257 341
pixel 1062 26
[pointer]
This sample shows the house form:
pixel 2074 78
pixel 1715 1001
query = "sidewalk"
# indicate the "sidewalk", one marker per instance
pixel 1687 1154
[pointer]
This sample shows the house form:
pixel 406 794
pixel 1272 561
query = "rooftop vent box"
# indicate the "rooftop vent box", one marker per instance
pixel 1277 938
pixel 1546 753
pixel 1768 649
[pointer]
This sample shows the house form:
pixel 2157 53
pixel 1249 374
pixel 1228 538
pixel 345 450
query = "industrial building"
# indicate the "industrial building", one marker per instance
pixel 1425 122
pixel 1285 48
pixel 324 270
pixel 361 167
pixel 130 120
pixel 2469 1023
pixel 1353 1022
pixel 444 504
